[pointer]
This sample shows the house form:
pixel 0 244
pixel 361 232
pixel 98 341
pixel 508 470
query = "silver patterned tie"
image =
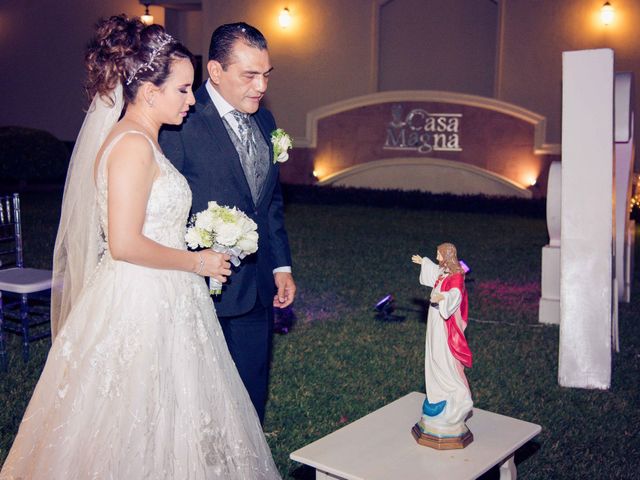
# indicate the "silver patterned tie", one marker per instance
pixel 245 131
pixel 250 164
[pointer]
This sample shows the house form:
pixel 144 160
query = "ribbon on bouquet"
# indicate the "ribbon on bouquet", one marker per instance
pixel 236 254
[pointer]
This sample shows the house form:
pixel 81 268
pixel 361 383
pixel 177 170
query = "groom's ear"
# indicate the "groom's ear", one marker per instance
pixel 215 70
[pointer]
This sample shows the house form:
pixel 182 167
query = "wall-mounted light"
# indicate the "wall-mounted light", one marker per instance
pixel 284 19
pixel 147 18
pixel 607 13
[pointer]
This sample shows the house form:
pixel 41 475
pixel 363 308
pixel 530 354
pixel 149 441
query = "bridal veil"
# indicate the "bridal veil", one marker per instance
pixel 79 242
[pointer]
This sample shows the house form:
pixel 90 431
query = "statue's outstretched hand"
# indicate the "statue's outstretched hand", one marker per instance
pixel 417 259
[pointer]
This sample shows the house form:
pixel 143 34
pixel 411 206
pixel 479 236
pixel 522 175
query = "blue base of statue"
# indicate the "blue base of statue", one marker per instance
pixel 433 409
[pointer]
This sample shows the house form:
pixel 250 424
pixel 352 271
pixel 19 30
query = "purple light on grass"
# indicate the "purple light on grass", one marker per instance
pixel 384 301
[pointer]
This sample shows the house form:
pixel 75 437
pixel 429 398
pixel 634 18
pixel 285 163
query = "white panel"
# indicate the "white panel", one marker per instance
pixel 624 178
pixel 554 199
pixel 586 280
pixel 623 106
pixel 549 310
pixel 624 160
pixel 630 257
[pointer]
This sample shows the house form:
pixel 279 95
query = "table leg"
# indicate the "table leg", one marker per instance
pixel 3 350
pixel 508 469
pixel 320 475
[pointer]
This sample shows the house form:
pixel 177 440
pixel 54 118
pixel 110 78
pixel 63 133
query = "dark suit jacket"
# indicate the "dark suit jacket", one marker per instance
pixel 203 152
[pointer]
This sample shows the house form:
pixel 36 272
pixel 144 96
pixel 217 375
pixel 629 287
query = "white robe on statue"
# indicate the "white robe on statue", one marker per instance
pixel 444 374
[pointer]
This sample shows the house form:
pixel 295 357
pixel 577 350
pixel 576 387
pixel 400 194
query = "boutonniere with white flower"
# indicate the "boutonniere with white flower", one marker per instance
pixel 281 142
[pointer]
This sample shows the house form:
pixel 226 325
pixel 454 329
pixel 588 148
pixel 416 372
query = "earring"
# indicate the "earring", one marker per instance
pixel 150 102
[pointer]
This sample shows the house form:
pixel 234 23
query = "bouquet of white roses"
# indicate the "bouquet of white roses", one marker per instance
pixel 225 230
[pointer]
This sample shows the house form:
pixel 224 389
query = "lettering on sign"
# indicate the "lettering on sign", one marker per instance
pixel 422 131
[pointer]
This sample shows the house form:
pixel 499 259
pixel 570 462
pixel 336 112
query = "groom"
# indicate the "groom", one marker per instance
pixel 224 150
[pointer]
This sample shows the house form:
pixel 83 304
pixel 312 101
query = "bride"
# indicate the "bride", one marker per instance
pixel 138 382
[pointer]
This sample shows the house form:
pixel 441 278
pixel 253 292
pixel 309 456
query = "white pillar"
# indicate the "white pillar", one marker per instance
pixel 549 308
pixel 587 269
pixel 624 160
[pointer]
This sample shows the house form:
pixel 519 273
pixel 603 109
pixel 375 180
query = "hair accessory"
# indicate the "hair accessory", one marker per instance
pixel 165 39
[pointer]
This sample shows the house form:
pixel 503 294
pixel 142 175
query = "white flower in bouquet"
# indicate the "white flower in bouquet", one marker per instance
pixel 195 238
pixel 281 142
pixel 225 230
pixel 228 234
pixel 205 221
pixel 249 242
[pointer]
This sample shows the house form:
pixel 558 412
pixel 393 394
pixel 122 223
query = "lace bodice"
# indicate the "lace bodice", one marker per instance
pixel 169 200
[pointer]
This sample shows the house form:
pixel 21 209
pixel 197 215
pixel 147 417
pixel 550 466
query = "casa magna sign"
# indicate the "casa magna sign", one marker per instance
pixel 423 131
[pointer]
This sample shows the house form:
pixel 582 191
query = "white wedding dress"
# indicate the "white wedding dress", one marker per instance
pixel 139 383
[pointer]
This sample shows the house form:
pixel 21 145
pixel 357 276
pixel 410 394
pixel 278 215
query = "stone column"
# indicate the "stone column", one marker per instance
pixel 549 308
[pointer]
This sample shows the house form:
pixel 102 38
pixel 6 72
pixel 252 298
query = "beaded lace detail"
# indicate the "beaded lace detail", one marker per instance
pixel 139 382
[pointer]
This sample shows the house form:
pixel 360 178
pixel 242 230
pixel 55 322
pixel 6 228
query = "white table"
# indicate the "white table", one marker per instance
pixel 380 446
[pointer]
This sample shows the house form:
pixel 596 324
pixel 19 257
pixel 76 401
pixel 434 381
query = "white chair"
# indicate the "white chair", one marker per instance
pixel 18 281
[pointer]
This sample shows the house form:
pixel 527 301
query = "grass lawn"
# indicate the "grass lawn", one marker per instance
pixel 339 363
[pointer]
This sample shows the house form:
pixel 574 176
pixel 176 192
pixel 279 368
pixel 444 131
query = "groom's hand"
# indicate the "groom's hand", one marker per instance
pixel 286 289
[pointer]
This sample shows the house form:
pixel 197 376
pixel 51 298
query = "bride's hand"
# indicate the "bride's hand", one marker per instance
pixel 216 265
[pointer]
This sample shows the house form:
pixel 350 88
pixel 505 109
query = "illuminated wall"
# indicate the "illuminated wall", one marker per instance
pixel 42 48
pixel 497 138
pixel 536 33
pixel 442 45
pixel 334 50
pixel 324 56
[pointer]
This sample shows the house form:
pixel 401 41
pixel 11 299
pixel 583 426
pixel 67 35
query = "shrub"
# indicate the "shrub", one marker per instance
pixel 414 200
pixel 29 156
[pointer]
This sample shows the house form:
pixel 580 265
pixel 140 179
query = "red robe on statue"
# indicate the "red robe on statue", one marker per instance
pixel 457 322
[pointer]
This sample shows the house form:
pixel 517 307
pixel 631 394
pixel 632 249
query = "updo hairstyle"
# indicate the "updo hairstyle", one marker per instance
pixel 126 50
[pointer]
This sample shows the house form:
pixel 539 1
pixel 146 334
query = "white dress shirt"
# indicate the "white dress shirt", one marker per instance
pixel 223 107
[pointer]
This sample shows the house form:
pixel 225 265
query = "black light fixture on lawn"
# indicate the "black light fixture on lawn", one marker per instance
pixel 283 320
pixel 384 309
